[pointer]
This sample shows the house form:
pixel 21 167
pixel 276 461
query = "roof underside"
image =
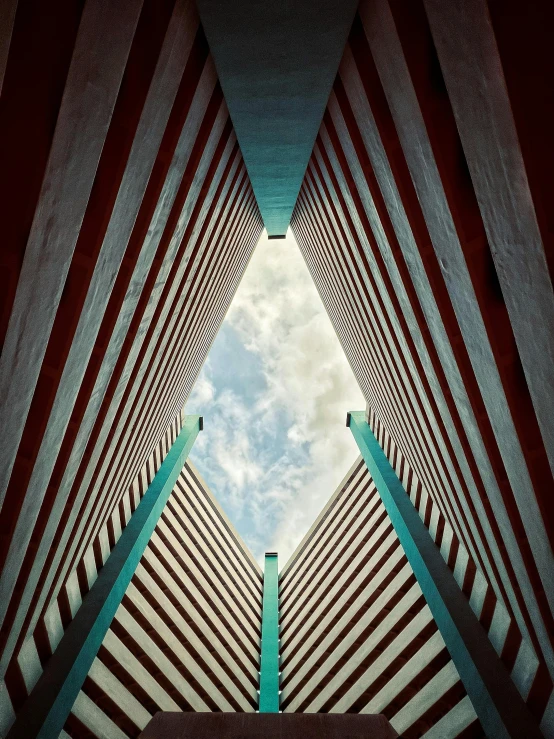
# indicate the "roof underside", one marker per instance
pixel 276 62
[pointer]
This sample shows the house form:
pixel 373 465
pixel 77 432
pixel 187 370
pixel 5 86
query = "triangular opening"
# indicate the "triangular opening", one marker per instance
pixel 273 393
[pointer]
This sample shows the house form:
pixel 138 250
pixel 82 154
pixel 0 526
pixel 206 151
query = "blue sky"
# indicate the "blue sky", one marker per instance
pixel 274 393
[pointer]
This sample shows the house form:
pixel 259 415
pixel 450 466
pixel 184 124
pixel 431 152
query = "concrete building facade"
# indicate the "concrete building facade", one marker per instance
pixel 356 633
pixel 186 636
pixel 128 219
pixel 404 221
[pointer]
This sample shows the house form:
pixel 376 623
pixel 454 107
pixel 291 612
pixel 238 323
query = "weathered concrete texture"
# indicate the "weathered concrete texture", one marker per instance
pixel 46 710
pixel 423 221
pixel 267 725
pixel 276 63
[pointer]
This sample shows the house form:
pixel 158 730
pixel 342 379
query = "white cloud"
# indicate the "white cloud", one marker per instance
pixel 204 390
pixel 274 461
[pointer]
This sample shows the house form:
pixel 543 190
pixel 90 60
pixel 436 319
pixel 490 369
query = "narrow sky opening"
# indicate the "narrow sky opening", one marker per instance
pixel 274 393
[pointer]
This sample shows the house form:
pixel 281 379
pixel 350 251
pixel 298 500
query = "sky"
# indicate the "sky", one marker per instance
pixel 274 392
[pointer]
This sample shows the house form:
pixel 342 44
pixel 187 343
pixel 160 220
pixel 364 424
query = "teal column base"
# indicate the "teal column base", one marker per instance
pixel 269 666
pixel 45 711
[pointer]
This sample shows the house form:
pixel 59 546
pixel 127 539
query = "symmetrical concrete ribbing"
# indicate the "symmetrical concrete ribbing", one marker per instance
pixel 356 633
pixel 187 634
pixel 46 711
pixel 418 257
pixel 425 220
pixel 500 708
pixel 130 221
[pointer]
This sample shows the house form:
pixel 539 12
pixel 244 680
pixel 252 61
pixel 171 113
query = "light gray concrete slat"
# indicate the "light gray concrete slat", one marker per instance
pixel 472 69
pixel 454 722
pixel 119 333
pixel 351 634
pixel 402 391
pixel 325 611
pixel 334 556
pixel 241 554
pixel 310 545
pixel 99 460
pixel 120 471
pixel 393 202
pixel 251 604
pixel 287 574
pixel 196 643
pixel 118 693
pixel 101 50
pixel 182 587
pixel 179 650
pixel 405 110
pixel 217 581
pixel 348 512
pixel 445 679
pixel 409 671
pixel 143 153
pixel 159 658
pixel 95 720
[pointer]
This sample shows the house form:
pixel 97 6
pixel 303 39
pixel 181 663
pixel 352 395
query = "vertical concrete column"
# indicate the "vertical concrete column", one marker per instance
pixel 500 708
pixel 45 711
pixel 269 665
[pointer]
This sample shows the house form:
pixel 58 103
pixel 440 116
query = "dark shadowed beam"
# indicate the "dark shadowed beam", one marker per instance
pixel 270 726
pixel 7 17
pixel 276 62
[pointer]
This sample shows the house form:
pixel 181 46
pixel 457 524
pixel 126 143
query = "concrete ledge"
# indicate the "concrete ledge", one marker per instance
pixel 168 725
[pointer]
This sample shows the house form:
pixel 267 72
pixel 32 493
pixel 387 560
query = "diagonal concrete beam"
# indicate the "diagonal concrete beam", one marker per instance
pixel 45 712
pixel 499 707
pixel 276 63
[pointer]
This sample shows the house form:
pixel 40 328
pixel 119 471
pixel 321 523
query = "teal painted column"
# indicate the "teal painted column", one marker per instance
pixel 45 711
pixel 499 707
pixel 269 665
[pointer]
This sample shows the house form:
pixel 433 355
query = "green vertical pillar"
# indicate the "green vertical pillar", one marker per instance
pixel 269 668
pixel 497 703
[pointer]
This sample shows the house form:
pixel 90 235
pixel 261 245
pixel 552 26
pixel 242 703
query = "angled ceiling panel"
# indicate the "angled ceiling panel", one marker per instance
pixel 276 62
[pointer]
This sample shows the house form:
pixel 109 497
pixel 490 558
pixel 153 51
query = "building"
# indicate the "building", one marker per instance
pixel 408 143
pixel 186 636
pixel 128 236
pixel 408 217
pixel 356 632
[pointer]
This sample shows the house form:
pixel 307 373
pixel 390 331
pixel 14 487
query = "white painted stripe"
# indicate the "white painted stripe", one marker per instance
pixel 425 698
pixel 119 694
pixel 95 719
pixel 454 722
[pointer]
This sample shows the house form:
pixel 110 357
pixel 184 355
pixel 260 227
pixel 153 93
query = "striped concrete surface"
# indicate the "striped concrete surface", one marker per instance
pixel 429 245
pixel 187 634
pixel 130 221
pixel 356 633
